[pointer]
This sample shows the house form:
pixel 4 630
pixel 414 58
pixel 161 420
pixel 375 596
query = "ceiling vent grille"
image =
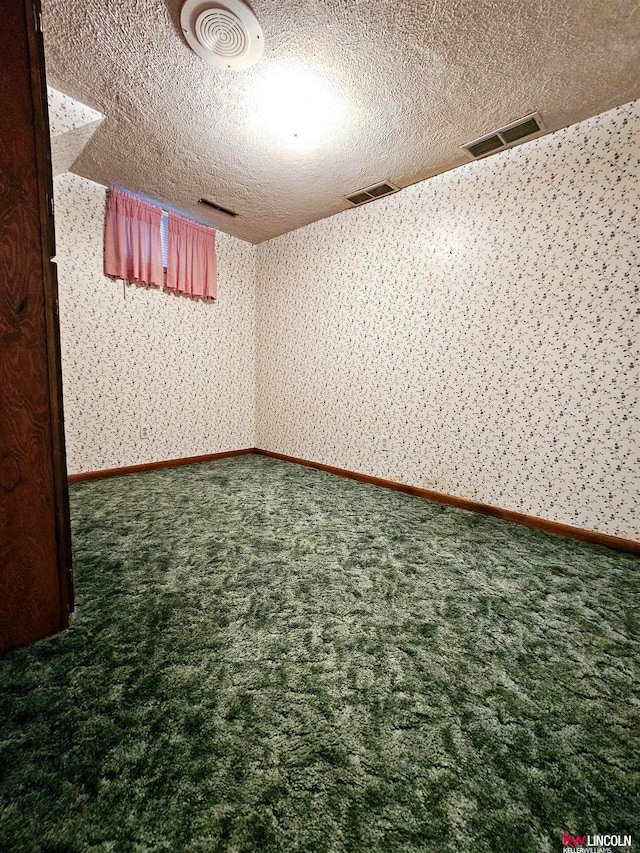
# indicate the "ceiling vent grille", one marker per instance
pixel 371 193
pixel 522 130
pixel 208 203
pixel 225 33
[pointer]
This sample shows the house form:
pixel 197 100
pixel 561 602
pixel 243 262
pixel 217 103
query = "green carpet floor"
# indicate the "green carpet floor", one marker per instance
pixel 269 658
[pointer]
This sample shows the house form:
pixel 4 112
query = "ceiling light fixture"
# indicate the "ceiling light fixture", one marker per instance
pixel 298 105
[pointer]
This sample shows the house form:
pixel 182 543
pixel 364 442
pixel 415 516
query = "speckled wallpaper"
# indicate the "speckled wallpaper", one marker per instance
pixel 484 322
pixel 135 357
pixel 72 126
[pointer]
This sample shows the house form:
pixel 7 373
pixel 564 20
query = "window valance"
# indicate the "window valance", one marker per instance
pixel 133 248
pixel 191 258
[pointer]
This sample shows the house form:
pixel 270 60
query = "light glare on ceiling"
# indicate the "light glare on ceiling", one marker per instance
pixel 298 105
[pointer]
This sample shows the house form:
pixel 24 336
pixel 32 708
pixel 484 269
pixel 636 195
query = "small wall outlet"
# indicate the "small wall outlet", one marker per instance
pixel 385 442
pixel 427 483
pixel 145 430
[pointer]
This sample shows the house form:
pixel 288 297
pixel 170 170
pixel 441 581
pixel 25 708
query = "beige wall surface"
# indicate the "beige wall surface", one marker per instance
pixel 139 356
pixel 483 321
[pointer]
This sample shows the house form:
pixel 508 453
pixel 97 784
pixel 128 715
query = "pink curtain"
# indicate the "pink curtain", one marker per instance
pixel 191 258
pixel 132 243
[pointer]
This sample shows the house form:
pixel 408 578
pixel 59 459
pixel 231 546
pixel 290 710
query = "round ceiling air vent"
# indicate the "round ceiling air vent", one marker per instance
pixel 226 34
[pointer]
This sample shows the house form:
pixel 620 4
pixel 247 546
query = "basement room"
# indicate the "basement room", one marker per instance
pixel 319 426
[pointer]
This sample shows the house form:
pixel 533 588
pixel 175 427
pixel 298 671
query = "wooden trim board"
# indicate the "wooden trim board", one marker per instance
pixel 615 542
pixel 150 466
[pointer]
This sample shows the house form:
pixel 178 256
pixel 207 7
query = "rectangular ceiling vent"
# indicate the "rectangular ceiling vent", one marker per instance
pixel 511 134
pixel 208 203
pixel 370 193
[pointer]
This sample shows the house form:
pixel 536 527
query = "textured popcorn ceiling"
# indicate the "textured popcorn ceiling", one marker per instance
pixel 412 81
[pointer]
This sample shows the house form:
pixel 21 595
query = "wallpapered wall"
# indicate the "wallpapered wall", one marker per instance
pixel 481 319
pixel 72 125
pixel 185 368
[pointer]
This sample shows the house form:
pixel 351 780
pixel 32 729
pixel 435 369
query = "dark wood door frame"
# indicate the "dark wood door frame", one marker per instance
pixel 36 590
pixel 52 315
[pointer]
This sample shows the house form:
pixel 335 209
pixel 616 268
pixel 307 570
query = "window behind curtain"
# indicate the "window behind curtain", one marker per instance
pixel 164 237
